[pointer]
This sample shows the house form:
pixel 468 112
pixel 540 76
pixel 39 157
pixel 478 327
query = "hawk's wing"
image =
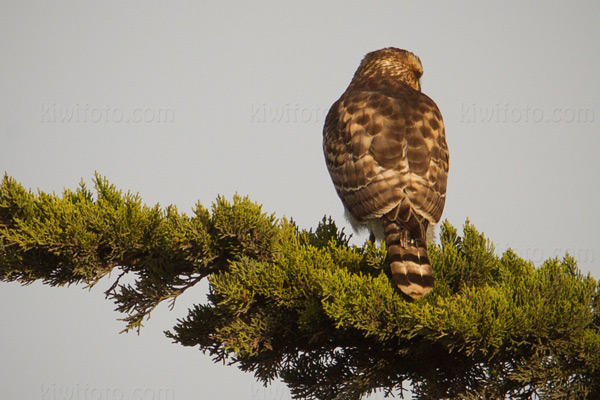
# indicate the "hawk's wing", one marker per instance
pixel 382 148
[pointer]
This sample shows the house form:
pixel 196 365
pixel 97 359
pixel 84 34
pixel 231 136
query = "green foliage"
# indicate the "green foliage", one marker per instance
pixel 74 238
pixel 313 310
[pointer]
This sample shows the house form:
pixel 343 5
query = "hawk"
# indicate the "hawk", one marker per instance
pixel 385 149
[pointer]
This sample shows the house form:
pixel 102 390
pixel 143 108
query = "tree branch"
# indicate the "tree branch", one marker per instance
pixel 311 309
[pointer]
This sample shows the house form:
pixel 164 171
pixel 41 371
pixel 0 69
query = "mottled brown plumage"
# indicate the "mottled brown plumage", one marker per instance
pixel 386 152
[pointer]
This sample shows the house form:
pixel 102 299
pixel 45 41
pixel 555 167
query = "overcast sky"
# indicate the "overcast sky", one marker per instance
pixel 183 101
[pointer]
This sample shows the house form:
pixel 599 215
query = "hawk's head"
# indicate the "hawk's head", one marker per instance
pixel 392 62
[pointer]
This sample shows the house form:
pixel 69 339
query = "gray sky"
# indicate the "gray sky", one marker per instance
pixel 181 101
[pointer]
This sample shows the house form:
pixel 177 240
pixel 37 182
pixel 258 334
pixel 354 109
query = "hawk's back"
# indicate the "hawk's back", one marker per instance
pixel 386 152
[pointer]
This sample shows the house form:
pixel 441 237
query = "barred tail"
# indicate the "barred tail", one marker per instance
pixel 409 261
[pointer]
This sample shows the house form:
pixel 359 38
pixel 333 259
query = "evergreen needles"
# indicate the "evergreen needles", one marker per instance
pixel 311 309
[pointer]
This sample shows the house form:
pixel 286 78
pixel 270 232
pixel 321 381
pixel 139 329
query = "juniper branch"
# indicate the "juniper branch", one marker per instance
pixel 312 309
